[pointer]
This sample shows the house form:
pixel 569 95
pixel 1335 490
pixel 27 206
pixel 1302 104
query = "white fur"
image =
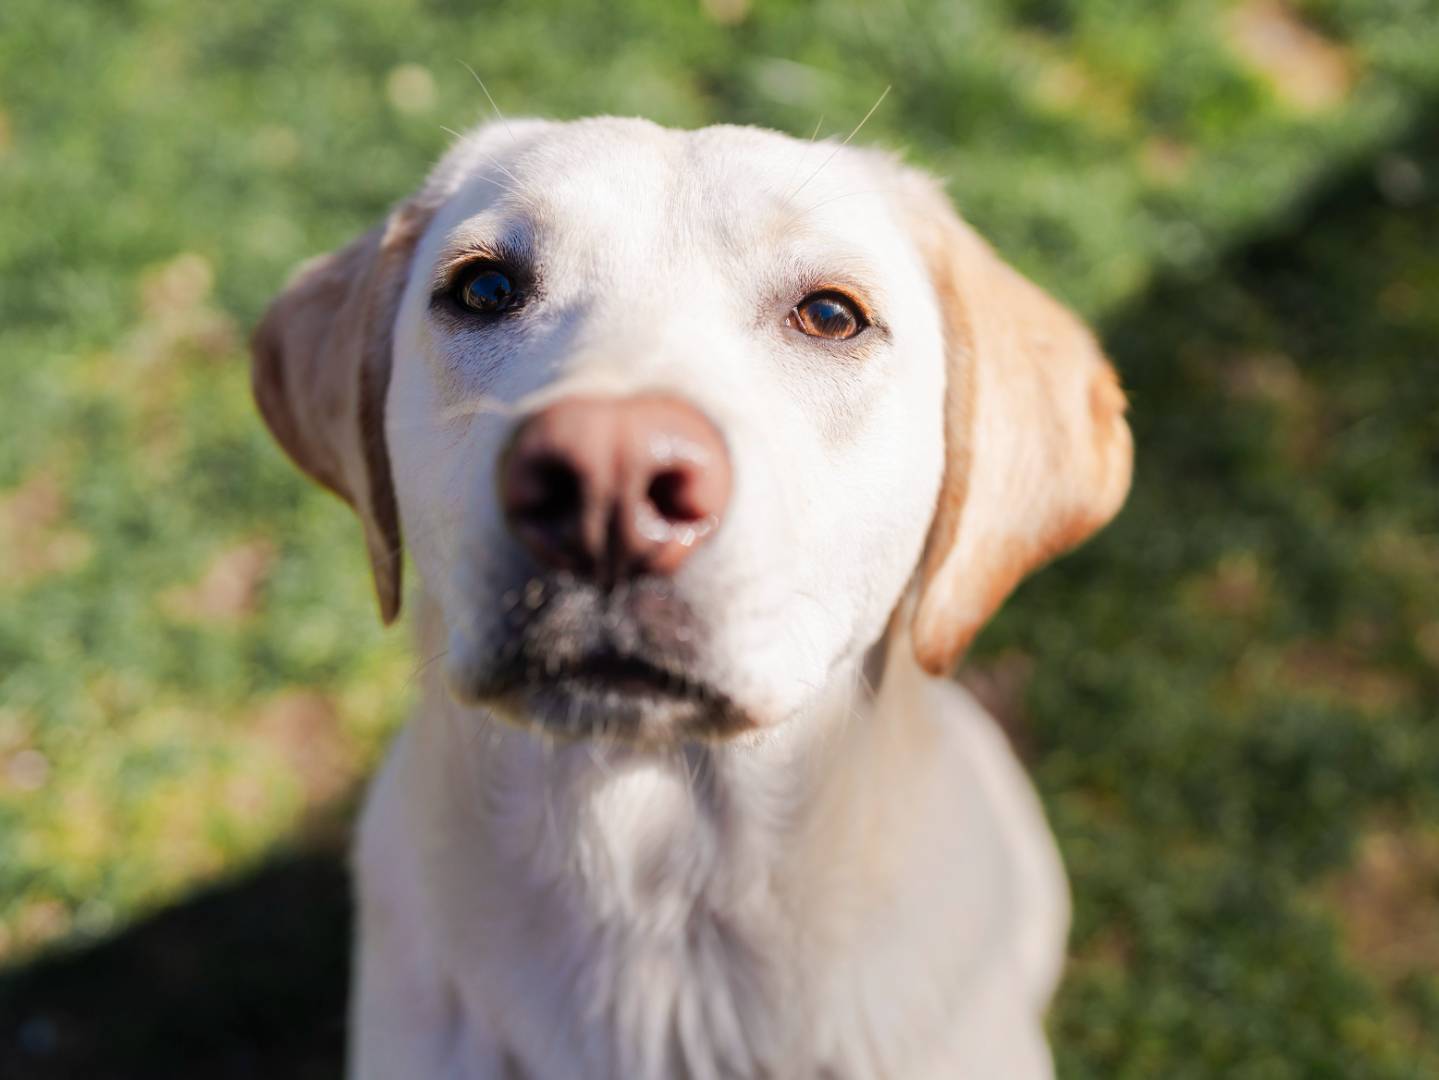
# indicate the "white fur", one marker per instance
pixel 864 886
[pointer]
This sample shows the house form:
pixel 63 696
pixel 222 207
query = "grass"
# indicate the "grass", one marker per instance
pixel 1228 699
pixel 1241 735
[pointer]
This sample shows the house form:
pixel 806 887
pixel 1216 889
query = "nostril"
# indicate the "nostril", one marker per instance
pixel 613 488
pixel 551 492
pixel 670 493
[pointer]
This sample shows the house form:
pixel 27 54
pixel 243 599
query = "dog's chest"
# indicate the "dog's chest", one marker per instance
pixel 704 999
pixel 661 926
pixel 666 951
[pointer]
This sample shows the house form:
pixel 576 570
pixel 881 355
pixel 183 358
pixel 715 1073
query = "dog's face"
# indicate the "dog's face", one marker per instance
pixel 667 418
pixel 647 262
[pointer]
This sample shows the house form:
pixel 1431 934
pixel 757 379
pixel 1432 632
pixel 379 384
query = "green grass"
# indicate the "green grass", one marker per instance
pixel 1240 734
pixel 1229 697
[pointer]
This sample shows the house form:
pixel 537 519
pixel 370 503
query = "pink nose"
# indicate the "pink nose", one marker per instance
pixel 611 488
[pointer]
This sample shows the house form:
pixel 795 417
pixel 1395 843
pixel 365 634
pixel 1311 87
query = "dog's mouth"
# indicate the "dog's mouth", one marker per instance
pixel 581 661
pixel 619 696
pixel 610 672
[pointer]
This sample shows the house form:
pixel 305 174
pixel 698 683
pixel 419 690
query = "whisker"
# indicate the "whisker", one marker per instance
pixel 486 160
pixel 799 158
pixel 498 165
pixel 599 753
pixel 842 145
pixel 491 100
pixel 424 665
pixel 481 405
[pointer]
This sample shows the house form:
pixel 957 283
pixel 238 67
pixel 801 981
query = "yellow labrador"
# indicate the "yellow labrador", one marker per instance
pixel 713 449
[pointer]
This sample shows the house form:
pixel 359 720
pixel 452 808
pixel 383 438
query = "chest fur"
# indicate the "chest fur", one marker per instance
pixel 663 943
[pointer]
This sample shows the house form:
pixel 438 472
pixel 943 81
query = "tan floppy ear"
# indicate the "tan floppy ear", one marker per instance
pixel 1038 454
pixel 320 371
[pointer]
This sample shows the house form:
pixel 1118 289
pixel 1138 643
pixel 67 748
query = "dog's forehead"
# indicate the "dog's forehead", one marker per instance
pixel 635 187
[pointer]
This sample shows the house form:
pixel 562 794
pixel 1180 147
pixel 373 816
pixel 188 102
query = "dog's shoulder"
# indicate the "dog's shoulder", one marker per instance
pixel 1014 831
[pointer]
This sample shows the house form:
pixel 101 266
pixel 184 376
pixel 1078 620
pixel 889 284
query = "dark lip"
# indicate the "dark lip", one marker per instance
pixel 580 659
pixel 618 690
pixel 628 675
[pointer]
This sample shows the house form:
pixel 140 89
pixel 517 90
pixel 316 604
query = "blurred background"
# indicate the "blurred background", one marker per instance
pixel 1229 700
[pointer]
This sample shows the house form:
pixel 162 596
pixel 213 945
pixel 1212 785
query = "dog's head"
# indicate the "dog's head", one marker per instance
pixel 674 423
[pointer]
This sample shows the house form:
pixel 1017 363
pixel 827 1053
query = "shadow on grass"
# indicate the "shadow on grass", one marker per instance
pixel 249 978
pixel 244 980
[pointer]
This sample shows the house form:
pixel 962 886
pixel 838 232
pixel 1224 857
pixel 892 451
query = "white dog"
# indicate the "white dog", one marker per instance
pixel 712 449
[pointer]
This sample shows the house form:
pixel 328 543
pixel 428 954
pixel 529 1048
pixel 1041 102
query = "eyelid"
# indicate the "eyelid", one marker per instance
pixel 825 292
pixel 450 269
pixel 852 292
pixel 513 253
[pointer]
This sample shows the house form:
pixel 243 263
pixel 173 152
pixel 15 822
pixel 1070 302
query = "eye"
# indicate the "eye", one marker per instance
pixel 827 315
pixel 486 288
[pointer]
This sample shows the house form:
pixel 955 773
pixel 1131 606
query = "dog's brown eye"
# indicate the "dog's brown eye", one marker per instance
pixel 827 315
pixel 486 289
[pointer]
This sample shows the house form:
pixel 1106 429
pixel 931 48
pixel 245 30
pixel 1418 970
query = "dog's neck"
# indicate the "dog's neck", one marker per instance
pixel 727 824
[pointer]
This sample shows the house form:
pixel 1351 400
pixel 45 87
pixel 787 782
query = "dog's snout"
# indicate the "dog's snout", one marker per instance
pixel 611 488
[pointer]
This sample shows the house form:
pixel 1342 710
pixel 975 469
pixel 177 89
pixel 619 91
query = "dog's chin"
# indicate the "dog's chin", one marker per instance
pixel 577 660
pixel 621 698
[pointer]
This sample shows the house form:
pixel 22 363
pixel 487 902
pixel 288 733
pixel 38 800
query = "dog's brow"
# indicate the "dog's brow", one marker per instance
pixel 510 246
pixel 843 267
pixel 847 271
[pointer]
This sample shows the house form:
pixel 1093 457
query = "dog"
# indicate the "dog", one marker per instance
pixel 713 450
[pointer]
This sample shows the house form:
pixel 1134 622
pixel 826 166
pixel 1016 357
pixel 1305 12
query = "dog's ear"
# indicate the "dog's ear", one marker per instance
pixel 320 371
pixel 1038 454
